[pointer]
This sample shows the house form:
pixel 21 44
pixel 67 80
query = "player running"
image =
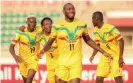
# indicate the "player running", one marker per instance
pixel 28 48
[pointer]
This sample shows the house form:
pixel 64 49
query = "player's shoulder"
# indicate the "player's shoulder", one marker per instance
pixel 59 24
pixel 80 22
pixel 19 32
pixel 108 26
pixel 38 29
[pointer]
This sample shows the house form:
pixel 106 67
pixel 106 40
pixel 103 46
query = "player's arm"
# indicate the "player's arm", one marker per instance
pixel 121 46
pixel 50 41
pixel 116 33
pixel 92 44
pixel 46 46
pixel 12 50
pixel 93 54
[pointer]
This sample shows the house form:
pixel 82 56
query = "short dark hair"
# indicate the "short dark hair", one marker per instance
pixel 66 5
pixel 99 15
pixel 45 18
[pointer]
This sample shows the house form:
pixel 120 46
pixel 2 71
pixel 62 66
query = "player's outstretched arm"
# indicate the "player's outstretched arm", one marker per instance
pixel 92 44
pixel 47 46
pixel 12 51
pixel 121 46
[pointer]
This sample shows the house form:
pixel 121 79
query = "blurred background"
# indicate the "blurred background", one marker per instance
pixel 14 13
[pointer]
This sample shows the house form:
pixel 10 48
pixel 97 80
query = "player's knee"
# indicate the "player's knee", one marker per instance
pixel 29 79
pixel 118 79
pixel 62 81
pixel 98 78
pixel 75 80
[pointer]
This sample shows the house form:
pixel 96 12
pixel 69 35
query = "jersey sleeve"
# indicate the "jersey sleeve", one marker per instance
pixel 85 30
pixel 53 32
pixel 16 37
pixel 116 33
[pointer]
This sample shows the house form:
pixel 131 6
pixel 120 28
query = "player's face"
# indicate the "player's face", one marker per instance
pixel 47 25
pixel 69 11
pixel 31 23
pixel 94 21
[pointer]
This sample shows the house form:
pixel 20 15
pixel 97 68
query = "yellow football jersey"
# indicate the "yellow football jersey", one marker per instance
pixel 28 45
pixel 52 53
pixel 69 40
pixel 108 37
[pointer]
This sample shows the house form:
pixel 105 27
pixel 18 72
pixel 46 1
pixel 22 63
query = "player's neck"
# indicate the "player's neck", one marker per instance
pixel 69 20
pixel 46 33
pixel 100 25
pixel 30 30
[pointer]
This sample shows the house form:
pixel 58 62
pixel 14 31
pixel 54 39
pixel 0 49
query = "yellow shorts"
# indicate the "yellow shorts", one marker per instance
pixel 51 73
pixel 68 72
pixel 31 63
pixel 107 68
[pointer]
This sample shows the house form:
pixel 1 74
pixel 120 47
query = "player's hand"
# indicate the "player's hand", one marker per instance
pixel 17 59
pixel 108 55
pixel 21 28
pixel 121 62
pixel 91 58
pixel 39 55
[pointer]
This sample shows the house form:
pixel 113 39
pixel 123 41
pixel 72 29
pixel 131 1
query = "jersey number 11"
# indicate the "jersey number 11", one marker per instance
pixel 71 47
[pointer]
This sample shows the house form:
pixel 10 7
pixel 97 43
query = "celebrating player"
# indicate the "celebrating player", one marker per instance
pixel 28 48
pixel 108 38
pixel 69 33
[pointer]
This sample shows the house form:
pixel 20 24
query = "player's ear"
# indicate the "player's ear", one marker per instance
pixel 63 11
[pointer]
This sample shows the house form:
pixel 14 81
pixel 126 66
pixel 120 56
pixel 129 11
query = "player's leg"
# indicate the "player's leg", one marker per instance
pixel 118 79
pixel 62 81
pixel 116 70
pixel 75 72
pixel 99 79
pixel 23 71
pixel 51 75
pixel 104 64
pixel 62 73
pixel 32 67
pixel 24 79
pixel 56 79
pixel 30 75
pixel 75 80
